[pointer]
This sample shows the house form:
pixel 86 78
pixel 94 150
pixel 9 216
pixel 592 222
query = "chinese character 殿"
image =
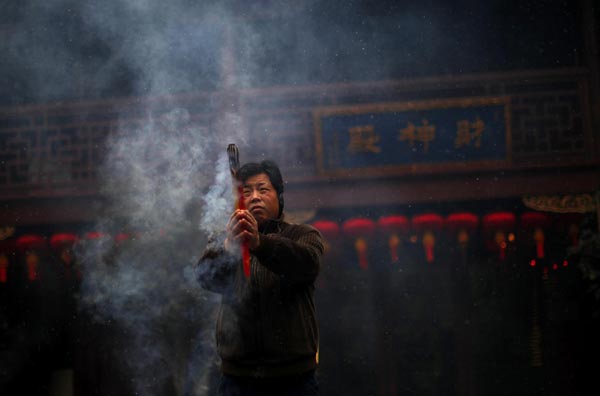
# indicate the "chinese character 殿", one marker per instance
pixel 363 139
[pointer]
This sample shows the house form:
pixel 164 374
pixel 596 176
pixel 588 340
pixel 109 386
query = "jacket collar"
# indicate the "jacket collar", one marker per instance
pixel 271 226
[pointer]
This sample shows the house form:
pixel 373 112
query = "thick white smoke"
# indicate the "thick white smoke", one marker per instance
pixel 168 187
pixel 161 182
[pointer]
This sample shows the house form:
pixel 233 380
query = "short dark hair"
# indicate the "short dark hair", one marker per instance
pixel 269 168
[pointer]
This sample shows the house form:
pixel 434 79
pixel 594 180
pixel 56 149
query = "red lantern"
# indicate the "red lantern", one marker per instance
pixel 122 238
pixel 499 230
pixel 62 244
pixel 569 223
pixel 428 226
pixel 536 222
pixel 394 227
pixel 330 231
pixel 63 241
pixel 462 225
pixel 361 230
pixel 30 245
pixel 7 250
pixel 94 235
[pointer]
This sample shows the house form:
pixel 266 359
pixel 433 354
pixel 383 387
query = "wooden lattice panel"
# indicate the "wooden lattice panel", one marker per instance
pixel 51 156
pixel 547 124
pixel 45 147
pixel 14 157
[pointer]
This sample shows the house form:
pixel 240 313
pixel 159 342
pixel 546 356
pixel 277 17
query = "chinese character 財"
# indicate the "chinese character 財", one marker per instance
pixel 363 139
pixel 467 132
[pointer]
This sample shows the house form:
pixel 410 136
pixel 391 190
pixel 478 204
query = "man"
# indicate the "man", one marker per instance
pixel 267 334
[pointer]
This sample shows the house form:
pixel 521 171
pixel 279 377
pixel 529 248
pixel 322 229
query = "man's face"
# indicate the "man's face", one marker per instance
pixel 261 198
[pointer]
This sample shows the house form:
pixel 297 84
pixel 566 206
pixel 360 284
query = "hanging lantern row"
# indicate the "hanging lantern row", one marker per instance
pixel 31 247
pixel 498 228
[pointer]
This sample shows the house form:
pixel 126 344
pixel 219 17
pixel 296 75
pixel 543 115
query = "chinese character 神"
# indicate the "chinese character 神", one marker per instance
pixel 424 133
pixel 467 131
pixel 363 139
pixel 408 133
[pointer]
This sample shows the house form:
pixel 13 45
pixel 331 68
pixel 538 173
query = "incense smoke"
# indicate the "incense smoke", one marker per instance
pixel 155 178
pixel 171 192
pixel 168 188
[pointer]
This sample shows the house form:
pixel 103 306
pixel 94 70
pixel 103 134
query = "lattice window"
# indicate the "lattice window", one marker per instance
pixel 51 155
pixel 546 124
pixel 16 151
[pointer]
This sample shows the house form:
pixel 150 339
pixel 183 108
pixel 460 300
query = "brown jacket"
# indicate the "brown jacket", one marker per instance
pixel 267 325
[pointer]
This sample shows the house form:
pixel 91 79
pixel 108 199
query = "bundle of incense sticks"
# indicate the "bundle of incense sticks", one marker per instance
pixel 234 166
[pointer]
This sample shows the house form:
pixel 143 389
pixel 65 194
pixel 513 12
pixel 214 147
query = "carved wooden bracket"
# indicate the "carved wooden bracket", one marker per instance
pixel 571 203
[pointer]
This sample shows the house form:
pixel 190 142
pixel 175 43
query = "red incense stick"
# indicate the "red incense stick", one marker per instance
pixel 234 166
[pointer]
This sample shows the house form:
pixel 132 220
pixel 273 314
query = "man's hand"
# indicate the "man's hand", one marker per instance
pixel 242 227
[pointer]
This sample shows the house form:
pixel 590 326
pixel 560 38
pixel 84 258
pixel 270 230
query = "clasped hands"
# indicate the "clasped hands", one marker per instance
pixel 242 227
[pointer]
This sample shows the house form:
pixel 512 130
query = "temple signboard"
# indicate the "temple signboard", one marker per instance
pixel 433 135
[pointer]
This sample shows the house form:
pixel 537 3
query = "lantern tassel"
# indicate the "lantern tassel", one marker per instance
pixel 538 236
pixel 394 243
pixel 429 254
pixel 361 250
pixel 429 244
pixel 32 271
